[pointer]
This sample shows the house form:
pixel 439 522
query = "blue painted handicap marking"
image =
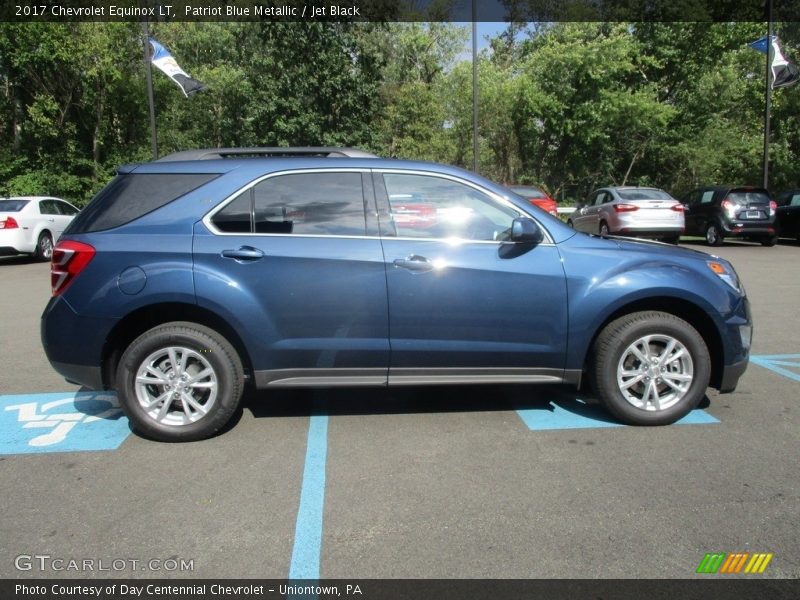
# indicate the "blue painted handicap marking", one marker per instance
pixel 787 365
pixel 61 422
pixel 574 413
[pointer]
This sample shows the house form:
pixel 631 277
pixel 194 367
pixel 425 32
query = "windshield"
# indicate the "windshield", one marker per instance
pixel 644 195
pixel 12 205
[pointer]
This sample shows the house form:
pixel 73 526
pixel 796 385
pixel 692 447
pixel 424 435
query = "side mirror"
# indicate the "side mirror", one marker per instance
pixel 526 231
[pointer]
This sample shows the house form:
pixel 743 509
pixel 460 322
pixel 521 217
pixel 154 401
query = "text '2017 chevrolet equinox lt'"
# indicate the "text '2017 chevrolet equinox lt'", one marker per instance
pixel 187 278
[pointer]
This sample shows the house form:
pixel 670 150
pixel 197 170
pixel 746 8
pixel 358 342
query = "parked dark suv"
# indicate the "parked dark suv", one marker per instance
pixel 719 212
pixel 186 279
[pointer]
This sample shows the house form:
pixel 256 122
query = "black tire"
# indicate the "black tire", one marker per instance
pixel 44 247
pixel 613 344
pixel 713 235
pixel 672 239
pixel 206 350
pixel 603 229
pixel 571 224
pixel 769 241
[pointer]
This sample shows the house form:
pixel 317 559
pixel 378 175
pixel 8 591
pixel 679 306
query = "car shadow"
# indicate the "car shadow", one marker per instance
pixel 422 400
pixel 18 259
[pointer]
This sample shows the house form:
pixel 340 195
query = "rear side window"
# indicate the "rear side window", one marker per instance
pixel 133 195
pixel 300 203
pixel 12 205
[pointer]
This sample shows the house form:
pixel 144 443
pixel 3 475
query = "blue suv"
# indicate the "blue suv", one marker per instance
pixel 189 278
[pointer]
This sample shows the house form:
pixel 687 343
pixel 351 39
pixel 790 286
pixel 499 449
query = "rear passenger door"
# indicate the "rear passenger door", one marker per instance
pixel 295 262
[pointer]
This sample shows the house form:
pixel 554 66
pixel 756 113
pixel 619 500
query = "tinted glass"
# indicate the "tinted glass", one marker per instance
pixel 795 200
pixel 644 195
pixel 236 217
pixel 310 204
pixel 433 207
pixel 745 197
pixel 132 195
pixel 707 197
pixel 66 209
pixel 528 192
pixel 47 207
pixel 12 205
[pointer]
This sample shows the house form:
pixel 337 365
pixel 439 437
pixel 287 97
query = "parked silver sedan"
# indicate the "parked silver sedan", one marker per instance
pixel 631 211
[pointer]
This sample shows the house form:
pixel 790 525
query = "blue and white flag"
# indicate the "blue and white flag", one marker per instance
pixel 784 73
pixel 163 60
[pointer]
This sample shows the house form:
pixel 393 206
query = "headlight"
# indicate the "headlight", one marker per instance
pixel 726 273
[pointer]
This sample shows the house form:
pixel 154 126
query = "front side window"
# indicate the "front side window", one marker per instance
pixel 47 207
pixel 66 209
pixel 423 206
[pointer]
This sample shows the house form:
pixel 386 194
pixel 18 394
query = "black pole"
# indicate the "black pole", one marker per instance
pixel 768 104
pixel 475 141
pixel 148 69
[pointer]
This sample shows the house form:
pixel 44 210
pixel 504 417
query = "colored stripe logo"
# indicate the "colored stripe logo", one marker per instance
pixel 734 562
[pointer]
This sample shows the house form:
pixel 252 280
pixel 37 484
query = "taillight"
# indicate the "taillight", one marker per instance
pixel 9 223
pixel 773 206
pixel 625 207
pixel 69 259
pixel 678 208
pixel 729 207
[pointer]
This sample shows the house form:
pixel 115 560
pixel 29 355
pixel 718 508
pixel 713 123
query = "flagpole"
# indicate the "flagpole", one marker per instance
pixel 149 76
pixel 476 148
pixel 768 104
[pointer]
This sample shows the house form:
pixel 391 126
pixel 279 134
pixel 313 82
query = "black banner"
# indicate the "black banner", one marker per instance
pixel 717 588
pixel 397 10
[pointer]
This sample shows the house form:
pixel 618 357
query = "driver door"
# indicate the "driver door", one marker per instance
pixel 465 303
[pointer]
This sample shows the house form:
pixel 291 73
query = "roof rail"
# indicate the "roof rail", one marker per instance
pixel 273 151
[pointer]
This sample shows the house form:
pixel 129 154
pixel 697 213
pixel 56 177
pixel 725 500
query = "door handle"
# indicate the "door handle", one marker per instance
pixel 243 254
pixel 416 263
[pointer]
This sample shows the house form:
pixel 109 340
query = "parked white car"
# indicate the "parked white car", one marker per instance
pixel 32 224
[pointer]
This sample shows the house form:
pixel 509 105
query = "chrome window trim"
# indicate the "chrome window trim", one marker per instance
pixel 206 220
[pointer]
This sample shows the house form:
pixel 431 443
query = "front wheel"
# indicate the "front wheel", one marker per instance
pixel 180 382
pixel 604 228
pixel 650 368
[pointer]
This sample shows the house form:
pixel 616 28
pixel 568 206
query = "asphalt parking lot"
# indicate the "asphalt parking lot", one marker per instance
pixel 482 482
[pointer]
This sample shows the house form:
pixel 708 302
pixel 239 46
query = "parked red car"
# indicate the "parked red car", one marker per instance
pixel 536 196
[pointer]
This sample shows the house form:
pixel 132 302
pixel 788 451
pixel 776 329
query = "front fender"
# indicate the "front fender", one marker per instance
pixel 602 279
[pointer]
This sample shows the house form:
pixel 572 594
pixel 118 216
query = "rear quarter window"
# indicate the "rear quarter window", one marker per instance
pixel 132 195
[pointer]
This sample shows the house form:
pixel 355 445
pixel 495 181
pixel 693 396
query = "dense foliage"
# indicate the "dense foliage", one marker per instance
pixel 570 106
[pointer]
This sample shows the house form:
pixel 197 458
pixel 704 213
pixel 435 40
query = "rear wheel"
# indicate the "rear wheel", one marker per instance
pixel 180 382
pixel 650 368
pixel 44 247
pixel 571 224
pixel 604 228
pixel 672 239
pixel 713 235
pixel 769 241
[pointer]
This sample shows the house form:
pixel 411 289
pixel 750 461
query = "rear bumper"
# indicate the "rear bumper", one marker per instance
pixel 650 231
pixel 15 241
pixel 748 229
pixel 74 343
pixel 85 375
